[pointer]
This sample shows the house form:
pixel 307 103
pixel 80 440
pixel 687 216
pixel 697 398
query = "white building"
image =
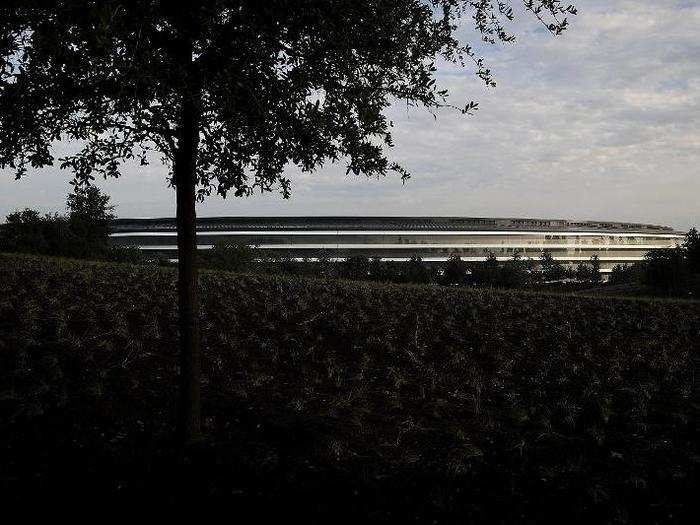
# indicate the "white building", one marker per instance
pixel 434 239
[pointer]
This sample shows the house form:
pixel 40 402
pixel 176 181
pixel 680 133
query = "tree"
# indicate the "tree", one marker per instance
pixel 89 217
pixel 691 245
pixel 513 272
pixel 356 267
pixel 622 274
pixel 595 274
pixel 83 233
pixel 487 272
pixel 583 272
pixel 415 271
pixel 27 231
pixel 665 271
pixel 552 270
pixel 228 92
pixel 228 256
pixel 454 271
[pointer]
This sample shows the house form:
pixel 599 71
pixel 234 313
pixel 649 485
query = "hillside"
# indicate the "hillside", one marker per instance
pixel 349 401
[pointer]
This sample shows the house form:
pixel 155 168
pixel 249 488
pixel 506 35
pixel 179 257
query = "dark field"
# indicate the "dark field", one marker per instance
pixel 350 402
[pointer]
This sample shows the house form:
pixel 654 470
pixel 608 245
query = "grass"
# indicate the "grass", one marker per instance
pixel 346 401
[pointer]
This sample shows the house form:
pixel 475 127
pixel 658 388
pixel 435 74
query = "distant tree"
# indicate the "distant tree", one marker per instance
pixel 552 270
pixel 83 233
pixel 454 271
pixel 28 231
pixel 228 256
pixel 691 245
pixel 595 275
pixel 355 267
pixel 665 271
pixel 89 218
pixel 622 274
pixel 415 271
pixel 583 272
pixel 513 273
pixel 130 254
pixel 486 273
pixel 229 93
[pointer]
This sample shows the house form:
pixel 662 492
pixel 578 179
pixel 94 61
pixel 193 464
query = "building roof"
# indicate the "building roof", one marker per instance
pixel 367 223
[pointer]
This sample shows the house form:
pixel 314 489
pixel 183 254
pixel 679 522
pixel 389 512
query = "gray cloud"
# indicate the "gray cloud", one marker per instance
pixel 603 122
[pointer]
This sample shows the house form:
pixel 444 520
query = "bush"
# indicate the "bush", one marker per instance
pixel 126 254
pixel 82 234
pixel 27 231
pixel 228 256
pixel 666 271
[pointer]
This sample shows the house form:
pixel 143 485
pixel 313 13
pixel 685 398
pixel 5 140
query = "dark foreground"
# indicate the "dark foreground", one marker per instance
pixel 347 402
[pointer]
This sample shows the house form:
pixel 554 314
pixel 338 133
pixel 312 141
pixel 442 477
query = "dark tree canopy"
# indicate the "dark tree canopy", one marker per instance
pixel 273 82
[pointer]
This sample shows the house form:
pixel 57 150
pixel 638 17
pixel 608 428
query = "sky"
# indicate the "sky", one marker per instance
pixel 600 123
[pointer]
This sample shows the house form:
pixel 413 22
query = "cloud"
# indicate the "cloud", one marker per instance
pixel 601 123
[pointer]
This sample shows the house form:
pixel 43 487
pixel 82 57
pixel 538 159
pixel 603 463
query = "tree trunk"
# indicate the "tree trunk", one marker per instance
pixel 188 424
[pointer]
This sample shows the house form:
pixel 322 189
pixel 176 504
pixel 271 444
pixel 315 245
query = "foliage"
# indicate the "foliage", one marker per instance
pixel 583 272
pixel 228 256
pixel 27 231
pixel 264 84
pixel 552 270
pixel 595 274
pixel 623 274
pixel 89 218
pixel 691 245
pixel 127 254
pixel 355 267
pixel 454 271
pixel 393 403
pixel 82 234
pixel 665 271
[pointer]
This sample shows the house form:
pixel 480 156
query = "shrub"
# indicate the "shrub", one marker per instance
pixel 228 256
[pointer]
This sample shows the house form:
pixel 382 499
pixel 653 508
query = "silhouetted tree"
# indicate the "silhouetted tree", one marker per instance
pixel 595 275
pixel 513 273
pixel 691 245
pixel 228 92
pixel 666 271
pixel 454 271
pixel 552 270
pixel 622 274
pixel 83 233
pixel 583 272
pixel 228 256
pixel 415 271
pixel 487 272
pixel 89 218
pixel 355 267
pixel 28 231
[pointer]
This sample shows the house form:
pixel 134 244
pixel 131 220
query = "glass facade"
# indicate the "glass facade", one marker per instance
pixel 432 238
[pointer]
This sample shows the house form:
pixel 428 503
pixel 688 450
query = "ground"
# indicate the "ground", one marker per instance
pixel 343 401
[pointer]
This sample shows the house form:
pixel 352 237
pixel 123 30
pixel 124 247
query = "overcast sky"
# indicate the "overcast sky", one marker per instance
pixel 601 123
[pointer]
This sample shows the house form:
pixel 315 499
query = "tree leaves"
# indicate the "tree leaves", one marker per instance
pixel 274 82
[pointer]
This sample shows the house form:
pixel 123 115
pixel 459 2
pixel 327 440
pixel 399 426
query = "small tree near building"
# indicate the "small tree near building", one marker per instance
pixel 595 275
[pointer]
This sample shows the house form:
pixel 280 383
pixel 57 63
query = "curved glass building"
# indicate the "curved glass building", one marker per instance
pixel 434 239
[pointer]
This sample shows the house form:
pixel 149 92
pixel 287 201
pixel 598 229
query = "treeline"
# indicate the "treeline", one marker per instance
pixel 517 272
pixel 672 271
pixel 82 233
